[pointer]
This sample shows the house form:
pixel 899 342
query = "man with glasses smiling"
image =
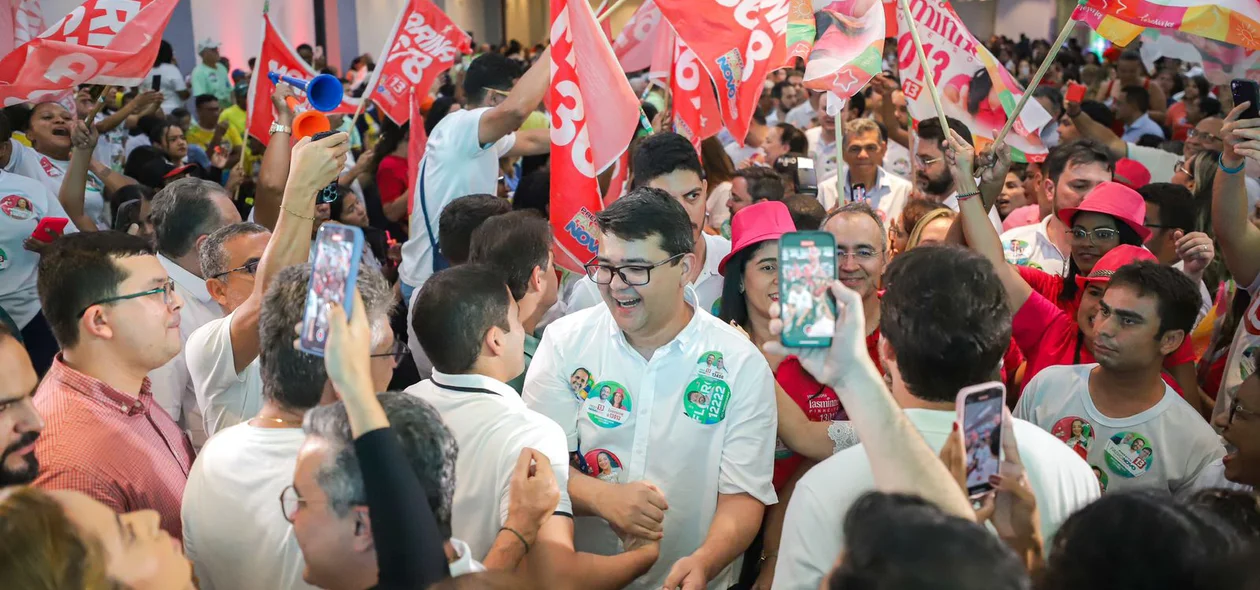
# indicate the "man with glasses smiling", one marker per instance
pixel 706 459
pixel 861 256
pixel 865 146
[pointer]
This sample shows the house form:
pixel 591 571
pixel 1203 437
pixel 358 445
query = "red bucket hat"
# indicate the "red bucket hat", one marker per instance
pixel 1132 173
pixel 1116 200
pixel 757 223
pixel 1110 262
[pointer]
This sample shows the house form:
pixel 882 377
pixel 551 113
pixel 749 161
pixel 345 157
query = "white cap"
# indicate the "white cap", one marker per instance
pixel 207 43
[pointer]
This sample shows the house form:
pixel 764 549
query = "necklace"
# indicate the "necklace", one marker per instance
pixel 281 421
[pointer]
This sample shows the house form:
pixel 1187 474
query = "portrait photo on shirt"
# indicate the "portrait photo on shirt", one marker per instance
pixel 608 404
pixel 603 465
pixel 1076 432
pixel 1129 454
pixel 580 381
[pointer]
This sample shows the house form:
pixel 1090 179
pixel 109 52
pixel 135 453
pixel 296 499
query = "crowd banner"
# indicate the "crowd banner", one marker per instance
pixel 585 74
pixel 848 46
pixel 737 42
pixel 1036 79
pixel 696 113
pixel 276 55
pixel 800 31
pixel 1221 61
pixel 637 38
pixel 99 42
pixel 1121 21
pixel 423 43
pixel 974 88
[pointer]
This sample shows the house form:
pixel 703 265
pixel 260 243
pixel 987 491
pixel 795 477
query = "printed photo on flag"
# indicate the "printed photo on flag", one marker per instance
pixel 848 46
pixel 423 43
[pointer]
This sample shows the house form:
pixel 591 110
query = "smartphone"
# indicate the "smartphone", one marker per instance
pixel 858 193
pixel 157 82
pixel 980 413
pixel 807 266
pixel 329 193
pixel 338 251
pixel 57 225
pixel 1075 93
pixel 806 177
pixel 1247 91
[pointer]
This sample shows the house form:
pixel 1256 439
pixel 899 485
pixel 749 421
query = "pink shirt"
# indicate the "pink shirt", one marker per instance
pixel 125 452
pixel 1026 215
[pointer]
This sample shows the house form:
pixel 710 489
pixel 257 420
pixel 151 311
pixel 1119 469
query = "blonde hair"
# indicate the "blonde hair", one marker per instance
pixel 917 233
pixel 41 549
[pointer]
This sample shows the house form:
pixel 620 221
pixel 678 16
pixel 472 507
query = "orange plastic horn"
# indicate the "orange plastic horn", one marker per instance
pixel 308 123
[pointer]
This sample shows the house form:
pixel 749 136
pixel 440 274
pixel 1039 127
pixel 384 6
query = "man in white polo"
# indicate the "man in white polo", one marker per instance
pixel 669 413
pixel 864 177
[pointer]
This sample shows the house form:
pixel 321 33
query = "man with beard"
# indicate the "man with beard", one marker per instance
pixel 20 424
pixel 933 177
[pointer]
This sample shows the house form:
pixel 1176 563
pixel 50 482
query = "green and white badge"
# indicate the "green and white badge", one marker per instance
pixel 706 396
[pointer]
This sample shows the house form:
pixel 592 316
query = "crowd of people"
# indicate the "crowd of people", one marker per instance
pixel 483 418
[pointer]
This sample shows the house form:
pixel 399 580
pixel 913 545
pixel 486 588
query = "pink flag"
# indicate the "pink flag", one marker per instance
pixel 417 140
pixel 100 42
pixel 423 44
pixel 585 76
pixel 637 40
pixel 848 46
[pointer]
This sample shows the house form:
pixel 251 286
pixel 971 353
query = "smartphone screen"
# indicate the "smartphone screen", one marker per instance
pixel 157 82
pixel 1247 91
pixel 807 266
pixel 806 177
pixel 338 250
pixel 980 412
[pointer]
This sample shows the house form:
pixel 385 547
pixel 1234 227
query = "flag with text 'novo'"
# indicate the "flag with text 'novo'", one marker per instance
pixel 585 76
pixel 848 48
pixel 1121 21
pixel 112 42
pixel 276 55
pixel 637 39
pixel 423 44
pixel 696 113
pixel 737 42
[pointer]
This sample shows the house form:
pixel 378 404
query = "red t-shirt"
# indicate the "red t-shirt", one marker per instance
pixel 391 178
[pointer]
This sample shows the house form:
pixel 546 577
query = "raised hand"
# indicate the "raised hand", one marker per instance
pixel 348 349
pixel 1242 136
pixel 1196 252
pixel 848 345
pixel 83 136
pixel 318 163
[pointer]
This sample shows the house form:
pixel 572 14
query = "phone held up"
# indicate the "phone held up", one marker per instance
pixel 338 251
pixel 1245 90
pixel 1075 92
pixel 980 413
pixel 807 267
pixel 49 228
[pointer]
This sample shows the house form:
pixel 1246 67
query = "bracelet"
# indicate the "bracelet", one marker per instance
pixel 518 536
pixel 966 196
pixel 1220 161
pixel 842 435
pixel 765 557
pixel 295 214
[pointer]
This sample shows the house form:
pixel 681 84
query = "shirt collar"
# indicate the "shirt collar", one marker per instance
pixel 931 421
pixel 186 281
pixel 98 391
pixel 475 384
pixel 879 181
pixel 711 262
pixel 684 338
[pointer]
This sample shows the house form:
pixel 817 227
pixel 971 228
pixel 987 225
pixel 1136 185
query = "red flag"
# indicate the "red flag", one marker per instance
pixel 605 22
pixel 637 39
pixel 617 184
pixel 100 42
pixel 736 41
pixel 423 44
pixel 696 113
pixel 662 54
pixel 585 76
pixel 417 140
pixel 276 55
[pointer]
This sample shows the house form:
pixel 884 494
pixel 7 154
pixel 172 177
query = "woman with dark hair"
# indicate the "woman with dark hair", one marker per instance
pixel 719 171
pixel 441 107
pixel 389 160
pixel 166 77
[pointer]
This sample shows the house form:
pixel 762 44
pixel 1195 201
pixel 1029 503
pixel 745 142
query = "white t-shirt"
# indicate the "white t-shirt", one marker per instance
pixel 171 84
pixel 491 425
pixel 813 528
pixel 826 156
pixel 234 531
pixel 23 202
pixel 708 285
pixel 455 165
pixel 897 160
pixel 888 196
pixel 172 385
pixel 697 420
pixel 1030 246
pixel 464 564
pixel 50 172
pixel 225 397
pixel 801 116
pixel 1244 353
pixel 1163 448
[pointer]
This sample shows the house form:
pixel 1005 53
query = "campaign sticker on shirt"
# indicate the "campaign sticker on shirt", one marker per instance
pixel 705 400
pixel 608 405
pixel 1017 252
pixel 710 365
pixel 603 465
pixel 1102 479
pixel 580 382
pixel 49 168
pixel 17 207
pixel 1076 432
pixel 4 259
pixel 1129 454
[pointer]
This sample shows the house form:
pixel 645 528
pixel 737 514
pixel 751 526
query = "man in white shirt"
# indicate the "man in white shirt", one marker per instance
pixel 1132 109
pixel 184 214
pixel 239 262
pixel 1135 430
pixel 934 178
pixel 667 161
pixel 822 146
pixel 234 531
pixel 944 326
pixel 751 152
pixel 672 405
pixel 1073 169
pixel 463 152
pixel 492 426
pixel 802 117
pixel 864 179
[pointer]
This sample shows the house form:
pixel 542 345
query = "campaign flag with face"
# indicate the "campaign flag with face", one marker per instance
pixel 99 42
pixel 276 55
pixel 585 76
pixel 1121 21
pixel 800 31
pixel 737 42
pixel 848 47
pixel 696 113
pixel 974 87
pixel 1221 62
pixel 423 43
pixel 635 43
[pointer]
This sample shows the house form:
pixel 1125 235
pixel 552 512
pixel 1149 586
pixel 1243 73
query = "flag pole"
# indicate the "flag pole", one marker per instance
pixel 1036 79
pixel 923 63
pixel 608 13
pixel 840 175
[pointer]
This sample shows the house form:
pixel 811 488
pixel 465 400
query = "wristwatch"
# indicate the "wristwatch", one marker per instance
pixel 278 128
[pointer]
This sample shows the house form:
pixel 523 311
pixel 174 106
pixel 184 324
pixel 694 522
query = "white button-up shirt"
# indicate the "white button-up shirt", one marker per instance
pixel 172 385
pixel 826 155
pixel 1030 246
pixel 491 425
pixel 698 419
pixel 708 285
pixel 888 196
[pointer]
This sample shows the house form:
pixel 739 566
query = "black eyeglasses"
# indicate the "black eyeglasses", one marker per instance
pixel 398 351
pixel 167 290
pixel 635 275
pixel 1101 234
pixel 250 267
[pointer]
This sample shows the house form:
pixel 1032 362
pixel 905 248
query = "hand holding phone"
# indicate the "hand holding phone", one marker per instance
pixel 1075 93
pixel 980 409
pixel 49 229
pixel 1245 90
pixel 338 252
pixel 807 267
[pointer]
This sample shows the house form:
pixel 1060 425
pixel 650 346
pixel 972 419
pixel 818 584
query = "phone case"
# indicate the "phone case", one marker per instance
pixel 807 266
pixel 56 224
pixel 1245 90
pixel 1075 92
pixel 982 432
pixel 339 250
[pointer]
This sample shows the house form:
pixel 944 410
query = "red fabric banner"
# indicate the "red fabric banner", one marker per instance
pixel 637 39
pixel 736 41
pixel 417 140
pixel 696 113
pixel 585 74
pixel 424 43
pixel 100 42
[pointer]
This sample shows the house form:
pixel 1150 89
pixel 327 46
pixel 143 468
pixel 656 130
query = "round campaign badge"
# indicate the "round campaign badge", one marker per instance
pixel 608 404
pixel 603 465
pixel 1129 454
pixel 17 207
pixel 4 259
pixel 711 365
pixel 705 400
pixel 1076 432
pixel 1102 479
pixel 580 382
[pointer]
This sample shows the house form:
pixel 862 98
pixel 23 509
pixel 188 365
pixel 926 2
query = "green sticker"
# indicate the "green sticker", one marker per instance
pixel 705 400
pixel 608 405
